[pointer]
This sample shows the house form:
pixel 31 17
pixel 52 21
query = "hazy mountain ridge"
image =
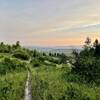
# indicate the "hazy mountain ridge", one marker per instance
pixel 56 49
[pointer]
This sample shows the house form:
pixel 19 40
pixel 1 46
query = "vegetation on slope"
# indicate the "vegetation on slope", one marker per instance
pixel 54 76
pixel 12 86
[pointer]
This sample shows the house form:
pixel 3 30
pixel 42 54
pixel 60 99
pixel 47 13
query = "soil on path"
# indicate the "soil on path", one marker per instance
pixel 28 87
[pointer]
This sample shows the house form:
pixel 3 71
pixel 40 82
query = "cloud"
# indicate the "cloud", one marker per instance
pixel 55 19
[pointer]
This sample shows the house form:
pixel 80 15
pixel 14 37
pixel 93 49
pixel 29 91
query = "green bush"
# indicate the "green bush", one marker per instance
pixel 12 86
pixel 73 93
pixel 41 58
pixel 36 64
pixel 87 63
pixel 10 65
pixel 21 55
pixel 88 68
pixel 5 89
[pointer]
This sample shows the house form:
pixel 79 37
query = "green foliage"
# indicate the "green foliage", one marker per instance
pixel 36 64
pixel 35 53
pixel 41 58
pixel 39 88
pixel 74 93
pixel 12 86
pixel 49 84
pixel 16 46
pixel 4 48
pixel 10 65
pixel 63 59
pixel 87 63
pixel 54 76
pixel 21 54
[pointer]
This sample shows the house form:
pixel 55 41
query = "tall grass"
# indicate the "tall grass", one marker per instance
pixel 12 86
pixel 48 84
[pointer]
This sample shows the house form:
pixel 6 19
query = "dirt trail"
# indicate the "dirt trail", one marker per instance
pixel 28 87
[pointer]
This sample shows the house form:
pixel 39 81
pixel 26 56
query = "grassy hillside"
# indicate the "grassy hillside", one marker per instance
pixel 12 86
pixel 54 76
pixel 49 84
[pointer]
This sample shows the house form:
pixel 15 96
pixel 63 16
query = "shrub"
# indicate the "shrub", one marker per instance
pixel 21 55
pixel 74 93
pixel 5 89
pixel 87 63
pixel 36 64
pixel 88 68
pixel 10 65
pixel 41 59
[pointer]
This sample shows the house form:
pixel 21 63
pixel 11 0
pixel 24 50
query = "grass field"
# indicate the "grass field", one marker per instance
pixel 12 86
pixel 52 75
pixel 49 84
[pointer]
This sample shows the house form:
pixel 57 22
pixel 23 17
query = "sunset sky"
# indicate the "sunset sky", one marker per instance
pixel 49 22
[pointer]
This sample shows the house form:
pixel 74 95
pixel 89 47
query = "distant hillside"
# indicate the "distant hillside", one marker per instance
pixel 57 49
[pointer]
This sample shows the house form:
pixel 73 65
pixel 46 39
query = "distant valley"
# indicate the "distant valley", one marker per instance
pixel 57 49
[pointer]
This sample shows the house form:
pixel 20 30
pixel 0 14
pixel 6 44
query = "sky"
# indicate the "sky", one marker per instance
pixel 49 22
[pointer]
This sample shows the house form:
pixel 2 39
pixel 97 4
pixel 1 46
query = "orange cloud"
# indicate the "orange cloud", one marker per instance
pixel 62 41
pixel 59 42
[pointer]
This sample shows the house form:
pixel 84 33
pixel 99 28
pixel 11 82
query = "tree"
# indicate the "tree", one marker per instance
pixel 35 53
pixel 96 46
pixel 87 42
pixel 44 54
pixel 1 44
pixel 63 58
pixel 50 54
pixel 4 48
pixel 96 43
pixel 17 44
pixel 75 53
pixel 87 62
pixel 55 54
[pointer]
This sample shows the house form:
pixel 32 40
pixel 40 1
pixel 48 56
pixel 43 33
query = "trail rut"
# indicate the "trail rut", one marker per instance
pixel 28 87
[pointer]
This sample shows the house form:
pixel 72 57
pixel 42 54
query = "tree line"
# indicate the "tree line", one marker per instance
pixel 87 62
